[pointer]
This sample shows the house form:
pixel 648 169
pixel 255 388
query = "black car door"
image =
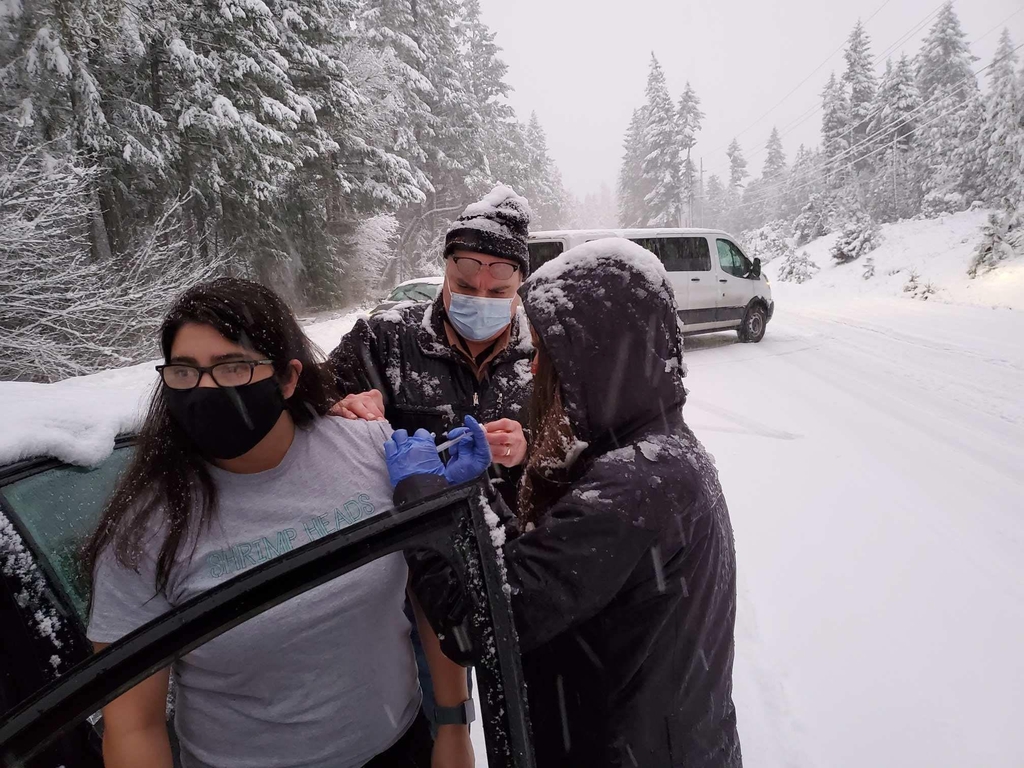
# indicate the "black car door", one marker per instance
pixel 453 523
pixel 47 509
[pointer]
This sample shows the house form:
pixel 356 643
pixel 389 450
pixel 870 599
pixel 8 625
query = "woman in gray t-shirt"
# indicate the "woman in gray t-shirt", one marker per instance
pixel 237 463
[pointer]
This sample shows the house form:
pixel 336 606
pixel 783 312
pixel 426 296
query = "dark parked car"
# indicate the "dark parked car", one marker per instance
pixel 51 684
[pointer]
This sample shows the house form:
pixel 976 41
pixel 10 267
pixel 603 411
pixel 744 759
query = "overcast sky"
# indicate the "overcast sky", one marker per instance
pixel 582 65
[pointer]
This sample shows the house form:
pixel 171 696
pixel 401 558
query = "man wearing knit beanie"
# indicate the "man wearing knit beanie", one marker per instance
pixel 497 226
pixel 468 353
pixel 486 260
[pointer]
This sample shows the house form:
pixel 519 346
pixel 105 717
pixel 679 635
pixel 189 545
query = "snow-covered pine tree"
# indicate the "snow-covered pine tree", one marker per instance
pixel 631 187
pixel 544 187
pixel 597 210
pixel 387 25
pixel 737 166
pixel 802 183
pixel 797 267
pixel 775 160
pixel 859 79
pixel 1002 240
pixel 945 59
pixel 716 202
pixel 835 132
pixel 236 111
pixel 1004 110
pixel 734 192
pixel 508 154
pixel 690 120
pixel 897 104
pixel 769 242
pixel 893 193
pixel 344 169
pixel 456 158
pixel 505 142
pixel 817 218
pixel 660 167
pixel 771 195
pixel 949 117
pixel 858 237
pixel 52 51
pixel 1017 193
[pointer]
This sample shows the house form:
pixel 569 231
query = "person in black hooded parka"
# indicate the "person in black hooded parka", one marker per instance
pixel 623 576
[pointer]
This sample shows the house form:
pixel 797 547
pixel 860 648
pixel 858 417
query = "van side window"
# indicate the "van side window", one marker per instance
pixel 543 252
pixel 679 254
pixel 732 260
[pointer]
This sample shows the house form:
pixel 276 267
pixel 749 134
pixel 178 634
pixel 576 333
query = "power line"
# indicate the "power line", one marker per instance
pixel 765 193
pixel 814 110
pixel 874 63
pixel 802 82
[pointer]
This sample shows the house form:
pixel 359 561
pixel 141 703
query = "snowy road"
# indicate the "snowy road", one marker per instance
pixel 873 456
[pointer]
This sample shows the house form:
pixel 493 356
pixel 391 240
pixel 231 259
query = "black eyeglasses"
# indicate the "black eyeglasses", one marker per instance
pixel 236 373
pixel 470 267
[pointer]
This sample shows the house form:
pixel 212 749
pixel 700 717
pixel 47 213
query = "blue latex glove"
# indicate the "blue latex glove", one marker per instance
pixel 470 458
pixel 407 456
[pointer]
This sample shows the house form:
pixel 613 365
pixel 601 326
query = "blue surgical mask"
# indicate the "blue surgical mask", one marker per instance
pixel 477 318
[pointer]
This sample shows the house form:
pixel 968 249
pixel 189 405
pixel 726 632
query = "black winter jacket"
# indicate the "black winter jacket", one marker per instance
pixel 426 384
pixel 624 594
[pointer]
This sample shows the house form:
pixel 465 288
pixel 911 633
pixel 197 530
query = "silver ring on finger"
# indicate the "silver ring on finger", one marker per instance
pixel 508 451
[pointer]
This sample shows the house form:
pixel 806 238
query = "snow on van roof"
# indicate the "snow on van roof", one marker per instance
pixel 78 419
pixel 575 234
pixel 604 251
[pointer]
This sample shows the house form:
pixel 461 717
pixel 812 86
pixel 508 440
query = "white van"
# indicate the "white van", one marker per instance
pixel 717 287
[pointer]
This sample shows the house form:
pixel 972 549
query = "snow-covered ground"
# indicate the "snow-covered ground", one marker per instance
pixel 871 452
pixel 939 251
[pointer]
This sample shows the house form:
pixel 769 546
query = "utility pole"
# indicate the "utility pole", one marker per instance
pixel 689 185
pixel 895 196
pixel 702 191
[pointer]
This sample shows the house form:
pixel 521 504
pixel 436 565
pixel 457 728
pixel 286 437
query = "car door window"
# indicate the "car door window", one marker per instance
pixel 732 260
pixel 679 254
pixel 58 509
pixel 543 252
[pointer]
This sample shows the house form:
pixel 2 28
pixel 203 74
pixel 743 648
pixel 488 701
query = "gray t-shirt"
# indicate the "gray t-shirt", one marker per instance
pixel 327 679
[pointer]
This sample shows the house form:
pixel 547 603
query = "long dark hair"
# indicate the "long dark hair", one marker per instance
pixel 168 481
pixel 546 478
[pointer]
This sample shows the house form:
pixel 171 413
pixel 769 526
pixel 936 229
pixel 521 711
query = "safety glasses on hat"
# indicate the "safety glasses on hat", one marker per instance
pixel 470 267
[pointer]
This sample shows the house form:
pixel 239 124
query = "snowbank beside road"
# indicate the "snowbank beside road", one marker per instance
pixel 937 251
pixel 77 420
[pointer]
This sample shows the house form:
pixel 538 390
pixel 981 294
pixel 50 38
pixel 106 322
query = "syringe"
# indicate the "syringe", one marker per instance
pixel 449 443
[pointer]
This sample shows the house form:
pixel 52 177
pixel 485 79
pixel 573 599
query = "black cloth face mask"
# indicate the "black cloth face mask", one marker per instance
pixel 226 422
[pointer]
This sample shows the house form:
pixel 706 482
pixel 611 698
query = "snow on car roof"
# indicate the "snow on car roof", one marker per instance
pixel 77 420
pixel 432 280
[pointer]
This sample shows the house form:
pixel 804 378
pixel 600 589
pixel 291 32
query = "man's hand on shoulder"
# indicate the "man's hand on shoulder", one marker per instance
pixel 368 406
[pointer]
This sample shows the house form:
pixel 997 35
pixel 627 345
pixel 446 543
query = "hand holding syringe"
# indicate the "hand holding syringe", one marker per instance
pixel 449 443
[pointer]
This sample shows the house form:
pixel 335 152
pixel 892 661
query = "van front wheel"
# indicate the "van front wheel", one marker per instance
pixel 754 322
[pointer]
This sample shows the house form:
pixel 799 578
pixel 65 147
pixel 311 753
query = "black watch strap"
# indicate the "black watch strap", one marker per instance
pixel 463 714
